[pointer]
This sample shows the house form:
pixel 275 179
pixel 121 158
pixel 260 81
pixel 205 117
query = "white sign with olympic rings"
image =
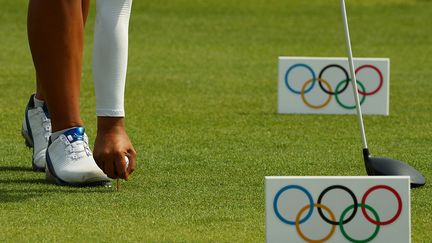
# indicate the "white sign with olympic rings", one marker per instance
pixel 338 209
pixel 322 85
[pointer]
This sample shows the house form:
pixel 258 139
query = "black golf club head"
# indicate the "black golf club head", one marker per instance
pixel 379 166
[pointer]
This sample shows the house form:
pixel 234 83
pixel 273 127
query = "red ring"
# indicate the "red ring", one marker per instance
pixel 380 82
pixel 397 197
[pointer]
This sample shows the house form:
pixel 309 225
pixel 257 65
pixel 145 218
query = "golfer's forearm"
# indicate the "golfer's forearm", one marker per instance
pixel 110 54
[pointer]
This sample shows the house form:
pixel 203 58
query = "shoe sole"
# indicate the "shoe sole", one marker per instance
pixel 29 143
pixel 53 178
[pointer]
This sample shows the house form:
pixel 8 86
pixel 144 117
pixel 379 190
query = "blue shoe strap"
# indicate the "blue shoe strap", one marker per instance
pixel 75 134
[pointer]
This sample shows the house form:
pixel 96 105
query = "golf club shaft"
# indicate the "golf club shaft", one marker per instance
pixel 353 76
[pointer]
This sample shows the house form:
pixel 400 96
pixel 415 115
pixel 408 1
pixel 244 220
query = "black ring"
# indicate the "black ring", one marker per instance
pixel 322 72
pixel 349 192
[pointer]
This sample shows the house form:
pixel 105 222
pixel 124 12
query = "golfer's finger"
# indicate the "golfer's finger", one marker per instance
pixel 99 164
pixel 109 169
pixel 99 161
pixel 120 166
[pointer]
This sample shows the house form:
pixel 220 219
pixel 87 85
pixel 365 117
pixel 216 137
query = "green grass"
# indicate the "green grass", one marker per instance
pixel 201 111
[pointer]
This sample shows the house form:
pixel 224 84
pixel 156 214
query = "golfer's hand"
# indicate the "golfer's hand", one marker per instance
pixel 111 146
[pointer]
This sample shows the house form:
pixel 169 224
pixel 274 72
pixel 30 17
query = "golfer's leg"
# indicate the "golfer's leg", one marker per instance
pixel 55 32
pixel 39 90
pixel 55 29
pixel 110 53
pixel 85 10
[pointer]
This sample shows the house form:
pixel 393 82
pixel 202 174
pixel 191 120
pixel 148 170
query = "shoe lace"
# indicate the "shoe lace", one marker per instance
pixel 46 124
pixel 77 149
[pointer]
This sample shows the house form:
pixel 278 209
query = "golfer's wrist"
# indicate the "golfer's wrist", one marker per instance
pixel 105 123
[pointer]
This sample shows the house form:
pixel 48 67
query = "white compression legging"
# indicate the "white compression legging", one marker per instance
pixel 110 55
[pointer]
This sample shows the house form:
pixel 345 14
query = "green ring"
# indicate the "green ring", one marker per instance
pixel 340 102
pixel 377 228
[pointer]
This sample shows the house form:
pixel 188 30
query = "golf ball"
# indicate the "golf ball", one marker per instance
pixel 127 161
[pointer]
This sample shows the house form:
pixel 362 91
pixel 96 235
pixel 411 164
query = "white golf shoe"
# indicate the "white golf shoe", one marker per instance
pixel 36 130
pixel 70 161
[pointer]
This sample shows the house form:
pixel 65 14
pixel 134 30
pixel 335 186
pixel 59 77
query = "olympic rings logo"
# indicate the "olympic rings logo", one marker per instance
pixel 325 86
pixel 343 219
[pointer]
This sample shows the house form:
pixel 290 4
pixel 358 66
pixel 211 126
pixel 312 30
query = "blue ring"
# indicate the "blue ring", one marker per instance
pixel 286 188
pixel 310 70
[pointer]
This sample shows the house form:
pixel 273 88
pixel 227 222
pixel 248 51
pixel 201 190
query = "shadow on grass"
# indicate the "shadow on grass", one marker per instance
pixel 12 194
pixel 19 195
pixel 6 197
pixel 15 168
pixel 23 181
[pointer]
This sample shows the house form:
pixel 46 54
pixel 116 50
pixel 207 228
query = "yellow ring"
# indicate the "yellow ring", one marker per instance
pixel 297 223
pixel 316 106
